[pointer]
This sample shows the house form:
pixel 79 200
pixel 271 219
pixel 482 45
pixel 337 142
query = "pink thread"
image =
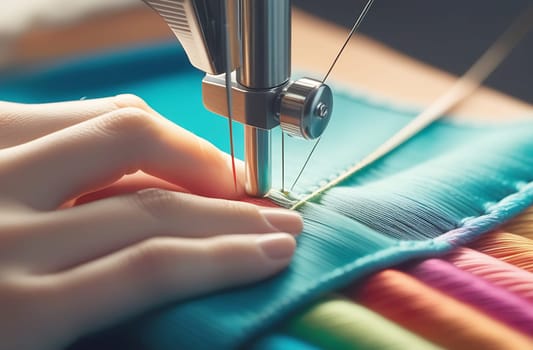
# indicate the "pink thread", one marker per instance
pixel 488 298
pixel 497 272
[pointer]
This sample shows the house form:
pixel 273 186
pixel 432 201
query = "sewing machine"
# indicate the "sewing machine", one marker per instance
pixel 244 47
pixel 380 71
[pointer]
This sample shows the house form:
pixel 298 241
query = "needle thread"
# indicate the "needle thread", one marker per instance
pixel 355 26
pixel 232 149
pixel 282 162
pixel 305 164
pixel 229 95
pixel 461 89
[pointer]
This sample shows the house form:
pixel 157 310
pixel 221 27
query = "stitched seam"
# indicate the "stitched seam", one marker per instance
pixel 506 208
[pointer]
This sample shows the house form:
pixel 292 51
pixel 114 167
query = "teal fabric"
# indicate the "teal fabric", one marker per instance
pixel 448 185
pixel 281 342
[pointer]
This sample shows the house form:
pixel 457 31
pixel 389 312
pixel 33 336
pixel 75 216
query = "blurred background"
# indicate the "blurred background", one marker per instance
pixel 448 34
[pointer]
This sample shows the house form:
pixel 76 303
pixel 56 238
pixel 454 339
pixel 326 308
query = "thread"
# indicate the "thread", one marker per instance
pixel 434 315
pixel 468 288
pixel 341 324
pixel 497 272
pixel 508 247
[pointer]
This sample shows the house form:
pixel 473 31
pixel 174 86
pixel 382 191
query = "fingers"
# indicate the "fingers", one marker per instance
pixel 160 270
pixel 66 238
pixel 129 184
pixel 95 153
pixel 20 123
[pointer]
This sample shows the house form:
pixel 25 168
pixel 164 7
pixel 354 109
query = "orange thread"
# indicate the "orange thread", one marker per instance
pixel 521 225
pixel 434 315
pixel 508 247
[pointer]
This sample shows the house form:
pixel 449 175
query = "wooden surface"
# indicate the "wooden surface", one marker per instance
pixel 366 65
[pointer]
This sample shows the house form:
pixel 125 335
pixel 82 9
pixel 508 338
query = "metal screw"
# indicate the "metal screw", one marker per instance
pixel 321 110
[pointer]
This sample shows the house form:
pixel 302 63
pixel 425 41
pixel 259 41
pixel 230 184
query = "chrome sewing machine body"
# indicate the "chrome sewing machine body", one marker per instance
pixel 244 47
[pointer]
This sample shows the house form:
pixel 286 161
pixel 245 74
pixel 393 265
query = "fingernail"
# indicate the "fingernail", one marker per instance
pixel 277 246
pixel 283 220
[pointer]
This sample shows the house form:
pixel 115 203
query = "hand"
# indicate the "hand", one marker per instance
pixel 66 269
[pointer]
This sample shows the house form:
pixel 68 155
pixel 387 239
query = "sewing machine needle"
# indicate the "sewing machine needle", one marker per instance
pixel 229 95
